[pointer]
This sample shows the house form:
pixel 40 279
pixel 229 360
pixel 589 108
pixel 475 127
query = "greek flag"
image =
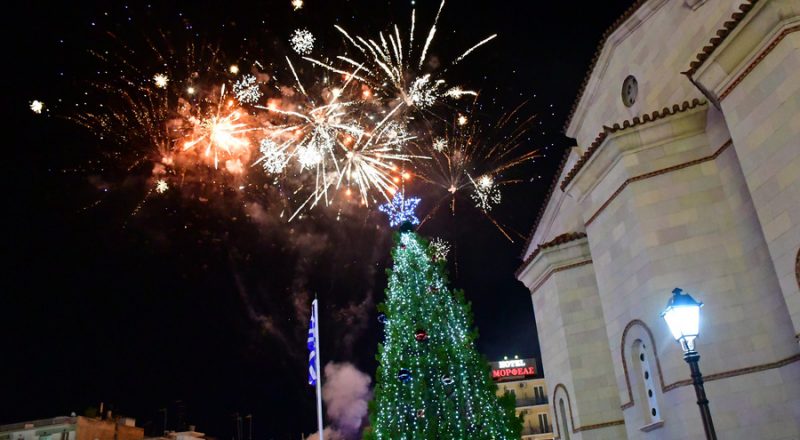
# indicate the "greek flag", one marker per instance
pixel 312 346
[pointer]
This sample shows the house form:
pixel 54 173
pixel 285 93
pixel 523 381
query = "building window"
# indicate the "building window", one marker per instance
pixel 544 424
pixel 564 426
pixel 646 384
pixel 630 89
pixel 539 395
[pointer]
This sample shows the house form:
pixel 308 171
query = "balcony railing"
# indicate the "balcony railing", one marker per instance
pixel 531 401
pixel 532 430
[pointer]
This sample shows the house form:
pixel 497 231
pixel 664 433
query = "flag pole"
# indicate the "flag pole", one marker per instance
pixel 319 372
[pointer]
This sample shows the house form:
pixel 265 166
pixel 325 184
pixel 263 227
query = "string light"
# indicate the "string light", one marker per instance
pixel 449 393
pixel 401 209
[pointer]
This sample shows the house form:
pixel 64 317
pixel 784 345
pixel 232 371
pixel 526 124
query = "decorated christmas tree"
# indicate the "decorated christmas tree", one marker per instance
pixel 431 383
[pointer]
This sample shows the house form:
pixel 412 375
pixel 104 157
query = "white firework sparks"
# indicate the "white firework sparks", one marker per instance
pixel 458 92
pixel 439 249
pixel 246 90
pixel 273 156
pixel 486 193
pixel 161 80
pixel 394 134
pixel 423 92
pixel 302 41
pixel 439 144
pixel 37 106
pixel 161 186
pixel 388 65
pixel 308 156
pixel 297 4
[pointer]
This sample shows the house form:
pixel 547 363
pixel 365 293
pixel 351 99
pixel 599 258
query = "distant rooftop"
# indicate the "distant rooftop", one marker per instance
pixel 61 420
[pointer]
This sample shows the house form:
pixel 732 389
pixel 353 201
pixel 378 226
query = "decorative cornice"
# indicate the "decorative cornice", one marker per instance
pixel 722 33
pixel 599 425
pixel 666 170
pixel 592 64
pixel 685 382
pixel 556 270
pixel 737 372
pixel 758 60
pixel 636 121
pixel 561 239
pixel 547 198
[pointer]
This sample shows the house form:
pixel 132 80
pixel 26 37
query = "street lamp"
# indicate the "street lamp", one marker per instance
pixel 683 318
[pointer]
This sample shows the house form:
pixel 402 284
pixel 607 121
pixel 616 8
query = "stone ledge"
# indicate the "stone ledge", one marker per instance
pixel 653 426
pixel 722 33
pixel 570 253
pixel 619 127
pixel 561 239
pixel 741 45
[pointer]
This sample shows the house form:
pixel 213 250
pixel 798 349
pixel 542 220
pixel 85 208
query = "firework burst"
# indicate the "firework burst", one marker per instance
pixel 37 106
pixel 302 41
pixel 388 65
pixel 246 90
pixel 494 158
pixel 161 80
pixel 350 132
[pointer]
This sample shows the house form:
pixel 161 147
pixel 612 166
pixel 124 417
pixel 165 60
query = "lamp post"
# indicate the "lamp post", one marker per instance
pixel 683 318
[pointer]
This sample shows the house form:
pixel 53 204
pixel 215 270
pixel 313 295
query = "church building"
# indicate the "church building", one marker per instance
pixel 685 173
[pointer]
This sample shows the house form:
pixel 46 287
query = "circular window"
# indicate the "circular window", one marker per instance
pixel 630 88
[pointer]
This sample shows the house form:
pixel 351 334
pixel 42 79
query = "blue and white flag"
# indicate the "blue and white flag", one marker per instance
pixel 312 346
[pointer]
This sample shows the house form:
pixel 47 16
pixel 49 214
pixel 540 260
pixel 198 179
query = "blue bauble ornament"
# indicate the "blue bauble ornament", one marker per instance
pixel 404 375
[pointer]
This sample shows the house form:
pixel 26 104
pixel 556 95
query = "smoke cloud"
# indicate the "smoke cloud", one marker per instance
pixel 303 259
pixel 346 392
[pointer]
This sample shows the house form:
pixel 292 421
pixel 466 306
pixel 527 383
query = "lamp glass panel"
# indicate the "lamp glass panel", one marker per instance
pixel 683 321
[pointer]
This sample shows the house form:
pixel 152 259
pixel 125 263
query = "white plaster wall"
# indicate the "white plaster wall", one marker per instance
pixel 696 228
pixel 574 347
pixel 655 45
pixel 763 113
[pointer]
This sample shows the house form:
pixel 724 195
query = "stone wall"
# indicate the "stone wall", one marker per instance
pixel 696 185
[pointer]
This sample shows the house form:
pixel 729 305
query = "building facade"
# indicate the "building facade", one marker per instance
pixel 519 376
pixel 73 428
pixel 686 173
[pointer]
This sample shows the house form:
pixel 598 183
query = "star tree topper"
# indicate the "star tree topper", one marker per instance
pixel 401 209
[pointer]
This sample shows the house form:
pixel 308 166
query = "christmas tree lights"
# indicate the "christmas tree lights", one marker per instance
pixel 431 382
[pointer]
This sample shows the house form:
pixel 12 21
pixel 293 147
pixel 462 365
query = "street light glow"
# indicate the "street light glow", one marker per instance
pixel 683 318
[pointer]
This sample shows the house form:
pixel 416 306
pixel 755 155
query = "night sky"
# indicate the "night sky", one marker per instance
pixel 196 302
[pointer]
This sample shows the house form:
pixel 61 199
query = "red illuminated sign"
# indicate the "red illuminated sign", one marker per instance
pixel 513 369
pixel 513 372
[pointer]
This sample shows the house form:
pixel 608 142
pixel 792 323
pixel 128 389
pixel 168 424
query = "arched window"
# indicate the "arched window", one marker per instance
pixel 564 425
pixel 645 385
